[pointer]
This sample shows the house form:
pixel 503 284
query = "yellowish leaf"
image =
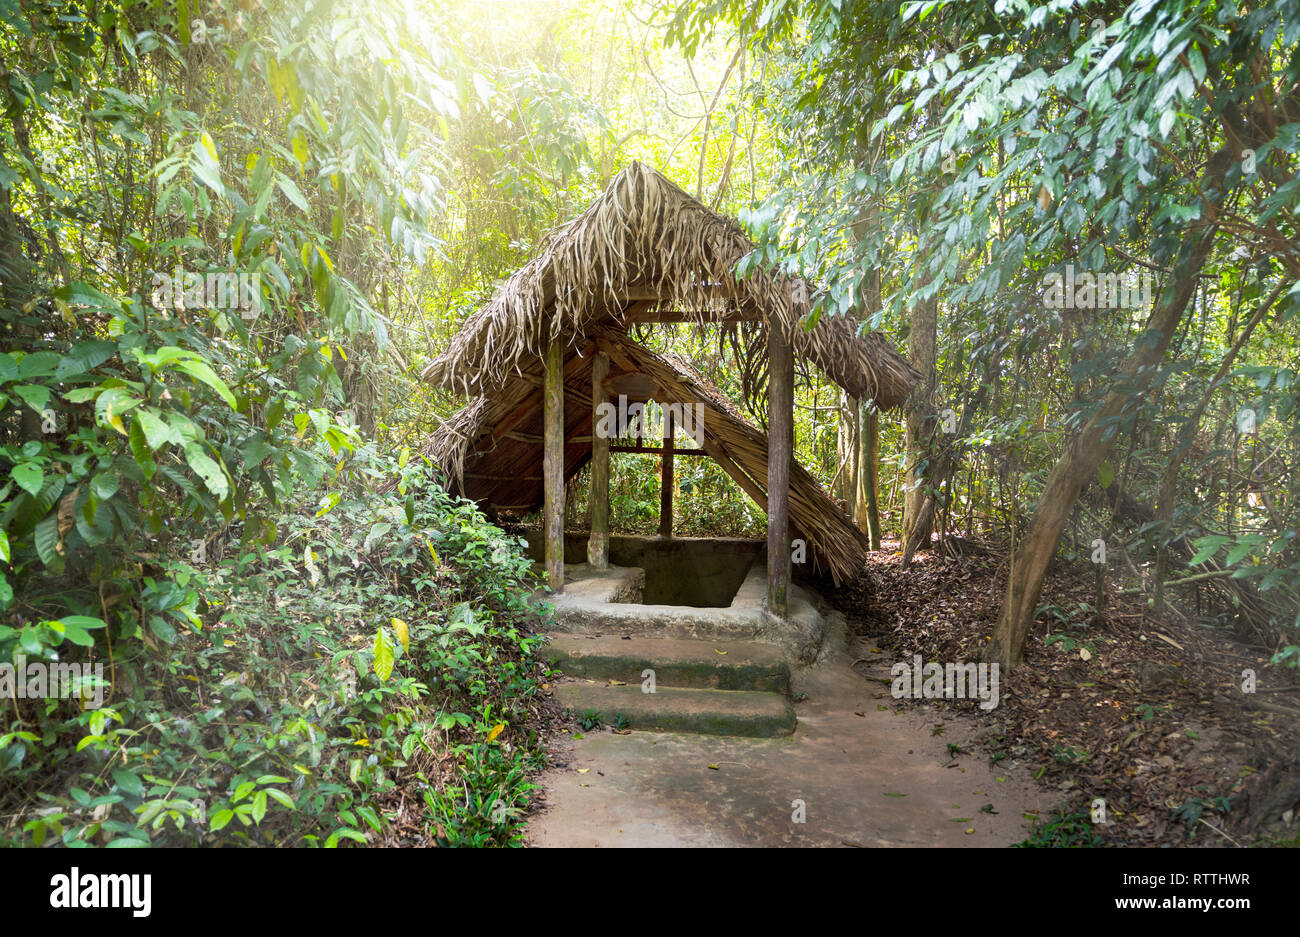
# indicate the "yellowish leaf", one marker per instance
pixel 496 730
pixel 403 633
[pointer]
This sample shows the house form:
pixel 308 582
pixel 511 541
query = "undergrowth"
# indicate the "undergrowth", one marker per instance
pixel 368 676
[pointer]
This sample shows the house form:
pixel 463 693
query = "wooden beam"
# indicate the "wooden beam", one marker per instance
pixel 685 315
pixel 612 346
pixel 654 450
pixel 598 542
pixel 780 448
pixel 666 481
pixel 553 463
pixel 634 386
pixel 644 293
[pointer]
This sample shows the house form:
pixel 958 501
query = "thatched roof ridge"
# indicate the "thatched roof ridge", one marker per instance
pixel 644 235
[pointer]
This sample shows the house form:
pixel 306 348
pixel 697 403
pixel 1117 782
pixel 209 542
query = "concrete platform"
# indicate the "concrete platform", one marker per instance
pixel 606 602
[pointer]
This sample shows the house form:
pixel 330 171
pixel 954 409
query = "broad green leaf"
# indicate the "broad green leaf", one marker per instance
pixel 1206 547
pixel 208 470
pixel 201 372
pixel 38 364
pixel 83 294
pixel 47 542
pixel 128 781
pixel 30 477
pixel 36 396
pixel 292 192
pixel 156 431
pixel 85 356
pixel 220 819
pixel 1238 553
pixel 383 655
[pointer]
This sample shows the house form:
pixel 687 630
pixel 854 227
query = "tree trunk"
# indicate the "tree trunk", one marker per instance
pixel 918 522
pixel 869 476
pixel 1089 447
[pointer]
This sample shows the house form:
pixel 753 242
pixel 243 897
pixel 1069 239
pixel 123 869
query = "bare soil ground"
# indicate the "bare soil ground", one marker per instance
pixel 1150 716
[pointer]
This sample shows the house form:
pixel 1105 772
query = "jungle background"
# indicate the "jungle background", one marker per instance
pixel 188 488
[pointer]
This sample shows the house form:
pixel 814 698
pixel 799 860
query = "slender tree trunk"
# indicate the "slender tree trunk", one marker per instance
pixel 1090 446
pixel 871 473
pixel 918 522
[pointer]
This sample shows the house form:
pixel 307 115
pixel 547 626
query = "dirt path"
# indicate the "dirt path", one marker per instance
pixel 867 773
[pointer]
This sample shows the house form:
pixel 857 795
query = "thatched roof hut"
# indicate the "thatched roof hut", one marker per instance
pixel 643 251
pixel 646 250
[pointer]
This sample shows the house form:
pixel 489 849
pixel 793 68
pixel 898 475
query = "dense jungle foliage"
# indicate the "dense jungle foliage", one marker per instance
pixel 232 232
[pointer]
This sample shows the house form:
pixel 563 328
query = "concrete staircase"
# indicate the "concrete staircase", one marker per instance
pixel 703 686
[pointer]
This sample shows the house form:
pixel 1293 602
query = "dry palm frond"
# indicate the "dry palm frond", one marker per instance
pixel 644 235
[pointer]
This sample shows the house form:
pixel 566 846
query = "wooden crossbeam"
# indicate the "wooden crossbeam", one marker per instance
pixel 655 450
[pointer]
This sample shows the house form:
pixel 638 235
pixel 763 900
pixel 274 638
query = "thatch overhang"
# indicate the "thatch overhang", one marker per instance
pixel 491 450
pixel 645 248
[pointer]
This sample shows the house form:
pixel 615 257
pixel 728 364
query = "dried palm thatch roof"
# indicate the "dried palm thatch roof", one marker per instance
pixel 644 245
pixel 491 450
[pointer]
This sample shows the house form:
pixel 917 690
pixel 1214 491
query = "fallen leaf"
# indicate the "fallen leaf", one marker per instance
pixel 496 730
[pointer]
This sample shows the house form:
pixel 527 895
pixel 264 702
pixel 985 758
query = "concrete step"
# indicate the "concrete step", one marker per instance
pixel 675 709
pixel 677 662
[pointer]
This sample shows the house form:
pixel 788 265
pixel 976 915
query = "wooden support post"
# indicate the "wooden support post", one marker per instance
pixel 780 448
pixel 598 499
pixel 553 463
pixel 666 479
